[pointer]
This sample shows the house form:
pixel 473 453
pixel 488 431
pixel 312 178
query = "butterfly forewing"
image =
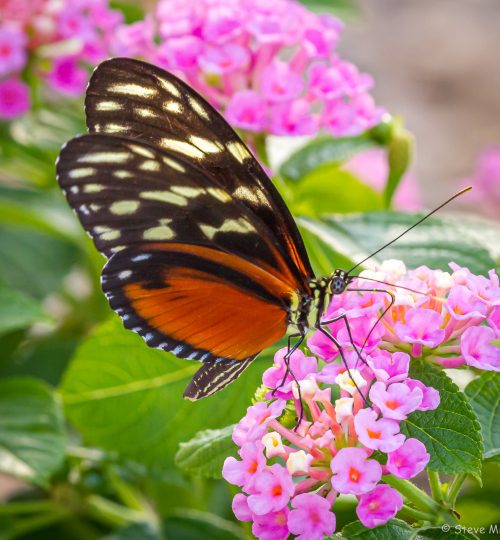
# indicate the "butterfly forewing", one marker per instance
pixel 127 193
pixel 136 100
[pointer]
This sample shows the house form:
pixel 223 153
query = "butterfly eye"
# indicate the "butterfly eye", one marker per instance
pixel 338 285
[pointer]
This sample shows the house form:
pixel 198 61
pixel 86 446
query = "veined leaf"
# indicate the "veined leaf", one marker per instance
pixel 32 439
pixel 325 149
pixel 125 397
pixel 205 453
pixel 435 243
pixel 451 433
pixel 484 396
pixel 18 311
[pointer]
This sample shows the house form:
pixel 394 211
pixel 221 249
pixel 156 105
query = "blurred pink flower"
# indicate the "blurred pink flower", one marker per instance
pixel 14 99
pixel 68 77
pixel 485 197
pixel 13 55
pixel 246 110
pixel 372 168
pixel 269 67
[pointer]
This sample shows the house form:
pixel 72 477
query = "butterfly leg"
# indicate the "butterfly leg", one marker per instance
pixel 382 315
pixel 326 333
pixel 344 318
pixel 290 350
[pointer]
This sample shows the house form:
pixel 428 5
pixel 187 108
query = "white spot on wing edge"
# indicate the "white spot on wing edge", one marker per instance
pixel 141 257
pixel 124 274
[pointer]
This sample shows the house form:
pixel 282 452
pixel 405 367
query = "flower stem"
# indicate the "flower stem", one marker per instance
pixel 111 513
pixel 27 507
pixel 435 485
pixel 413 513
pixel 418 497
pixel 455 488
pixel 39 521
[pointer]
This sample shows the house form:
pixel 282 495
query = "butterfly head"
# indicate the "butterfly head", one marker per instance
pixel 338 282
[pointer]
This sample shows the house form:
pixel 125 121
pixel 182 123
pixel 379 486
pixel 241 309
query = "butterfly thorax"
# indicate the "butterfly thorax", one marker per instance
pixel 307 308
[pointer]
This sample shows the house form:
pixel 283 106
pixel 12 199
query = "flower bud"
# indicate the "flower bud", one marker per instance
pixel 308 388
pixel 349 380
pixel 343 408
pixel 298 462
pixel 272 443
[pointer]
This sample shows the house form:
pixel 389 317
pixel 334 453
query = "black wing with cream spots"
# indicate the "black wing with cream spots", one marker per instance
pixel 128 193
pixel 136 100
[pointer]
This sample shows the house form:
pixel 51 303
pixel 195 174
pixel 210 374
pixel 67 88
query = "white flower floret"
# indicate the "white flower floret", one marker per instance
pixel 273 444
pixel 350 381
pixel 298 462
pixel 343 408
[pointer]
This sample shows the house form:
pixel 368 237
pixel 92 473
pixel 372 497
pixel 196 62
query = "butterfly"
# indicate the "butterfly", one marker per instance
pixel 204 258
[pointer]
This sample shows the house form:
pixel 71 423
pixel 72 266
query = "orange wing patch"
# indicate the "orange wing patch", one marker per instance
pixel 209 314
pixel 198 302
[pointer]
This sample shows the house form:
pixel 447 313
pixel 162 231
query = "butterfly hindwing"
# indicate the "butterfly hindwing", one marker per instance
pixel 133 99
pixel 198 303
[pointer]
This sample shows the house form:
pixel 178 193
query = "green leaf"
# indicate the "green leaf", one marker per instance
pixel 395 529
pixel 323 150
pixel 323 258
pixel 329 189
pixel 205 453
pixel 34 262
pixel 447 532
pixel 436 242
pixel 484 396
pixel 451 433
pixel 126 397
pixel 136 531
pixel 32 439
pixel 187 525
pixel 18 311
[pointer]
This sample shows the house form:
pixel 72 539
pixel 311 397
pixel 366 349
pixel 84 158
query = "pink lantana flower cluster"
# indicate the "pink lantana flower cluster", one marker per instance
pixel 485 197
pixel 269 66
pixel 55 41
pixel 449 318
pixel 291 477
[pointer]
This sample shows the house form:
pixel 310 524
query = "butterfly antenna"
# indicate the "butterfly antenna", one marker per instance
pixel 461 192
pixel 390 284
